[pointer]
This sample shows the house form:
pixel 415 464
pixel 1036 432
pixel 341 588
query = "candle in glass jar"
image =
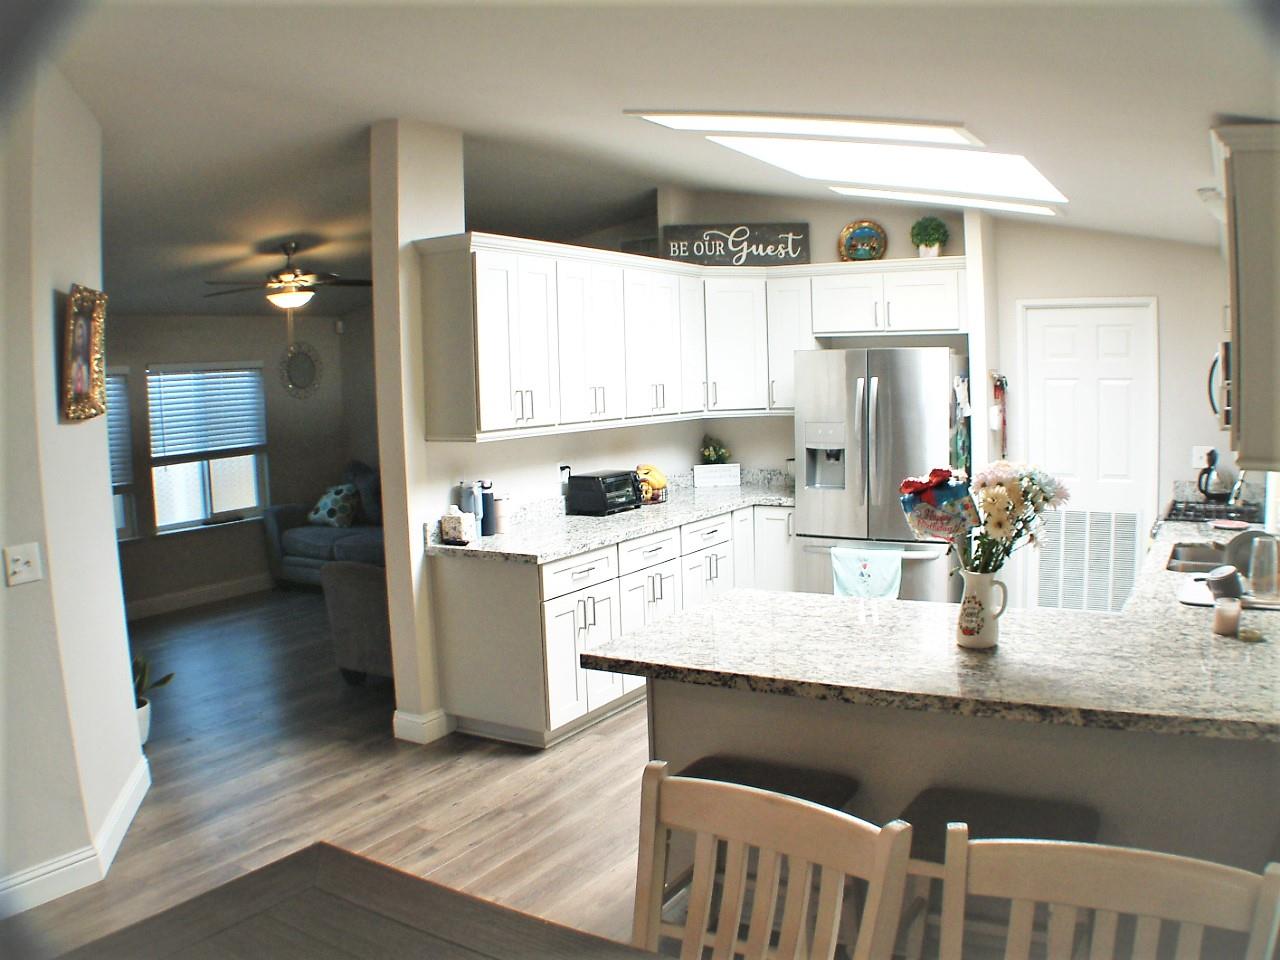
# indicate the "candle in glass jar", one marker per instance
pixel 1226 616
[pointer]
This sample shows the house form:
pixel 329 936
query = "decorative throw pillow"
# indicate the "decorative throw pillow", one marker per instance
pixel 337 508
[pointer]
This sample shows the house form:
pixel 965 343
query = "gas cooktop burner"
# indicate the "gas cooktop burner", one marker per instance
pixel 1196 510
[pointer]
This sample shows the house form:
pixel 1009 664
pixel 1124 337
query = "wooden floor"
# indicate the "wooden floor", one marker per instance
pixel 258 749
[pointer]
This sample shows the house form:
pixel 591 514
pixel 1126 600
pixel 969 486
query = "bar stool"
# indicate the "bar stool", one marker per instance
pixel 824 787
pixel 989 816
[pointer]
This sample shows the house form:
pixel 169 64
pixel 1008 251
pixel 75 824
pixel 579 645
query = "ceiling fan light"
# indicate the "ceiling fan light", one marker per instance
pixel 290 298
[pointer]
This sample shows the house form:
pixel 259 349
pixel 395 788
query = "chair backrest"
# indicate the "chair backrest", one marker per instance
pixel 1113 897
pixel 797 843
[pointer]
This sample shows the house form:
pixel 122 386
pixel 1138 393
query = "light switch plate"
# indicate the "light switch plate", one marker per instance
pixel 1198 454
pixel 22 564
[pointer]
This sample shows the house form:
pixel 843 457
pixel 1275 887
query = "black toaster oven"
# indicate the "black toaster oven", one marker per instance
pixel 602 492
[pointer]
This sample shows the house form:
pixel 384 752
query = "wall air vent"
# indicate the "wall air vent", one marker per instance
pixel 1088 560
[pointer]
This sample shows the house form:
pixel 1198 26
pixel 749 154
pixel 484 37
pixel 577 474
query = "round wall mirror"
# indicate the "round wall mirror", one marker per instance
pixel 300 369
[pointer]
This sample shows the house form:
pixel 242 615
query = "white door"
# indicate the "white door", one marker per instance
pixel 737 343
pixel 652 307
pixel 603 623
pixel 496 339
pixel 564 625
pixel 744 547
pixel 789 304
pixel 693 346
pixel 591 344
pixel 922 300
pixel 775 548
pixel 1092 394
pixel 848 303
pixel 534 357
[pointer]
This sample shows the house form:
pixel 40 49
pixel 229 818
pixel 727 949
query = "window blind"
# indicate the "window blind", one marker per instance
pixel 204 411
pixel 118 435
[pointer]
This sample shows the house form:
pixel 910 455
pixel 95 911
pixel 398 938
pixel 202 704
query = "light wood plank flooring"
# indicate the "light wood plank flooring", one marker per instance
pixel 258 749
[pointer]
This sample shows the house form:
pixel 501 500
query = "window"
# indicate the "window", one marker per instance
pixel 120 446
pixel 208 443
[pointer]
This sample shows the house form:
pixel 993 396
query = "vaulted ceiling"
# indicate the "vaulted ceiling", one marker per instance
pixel 230 126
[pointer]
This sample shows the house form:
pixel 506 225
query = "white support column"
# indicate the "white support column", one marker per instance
pixel 984 346
pixel 415 176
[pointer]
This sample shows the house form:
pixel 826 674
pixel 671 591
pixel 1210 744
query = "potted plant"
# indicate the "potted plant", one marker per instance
pixel 715 469
pixel 142 683
pixel 929 234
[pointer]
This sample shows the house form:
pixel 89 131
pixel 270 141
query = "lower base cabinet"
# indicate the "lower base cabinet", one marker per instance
pixel 775 548
pixel 570 624
pixel 646 597
pixel 705 573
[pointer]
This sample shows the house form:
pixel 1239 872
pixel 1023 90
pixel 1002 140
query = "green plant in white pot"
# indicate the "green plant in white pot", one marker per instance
pixel 929 234
pixel 142 684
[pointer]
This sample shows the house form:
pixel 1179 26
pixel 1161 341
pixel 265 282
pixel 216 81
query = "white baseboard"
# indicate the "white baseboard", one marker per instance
pixel 111 834
pixel 62 875
pixel 421 727
pixel 197 596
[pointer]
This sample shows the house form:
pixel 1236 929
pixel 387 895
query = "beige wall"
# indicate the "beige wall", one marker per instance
pixel 1039 261
pixel 73 773
pixel 306 443
pixel 826 218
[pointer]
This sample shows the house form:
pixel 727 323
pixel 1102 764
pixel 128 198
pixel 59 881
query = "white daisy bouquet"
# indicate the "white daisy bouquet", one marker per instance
pixel 1011 501
pixel 985 519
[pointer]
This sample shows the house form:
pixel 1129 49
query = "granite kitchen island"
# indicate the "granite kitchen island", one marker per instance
pixel 1172 733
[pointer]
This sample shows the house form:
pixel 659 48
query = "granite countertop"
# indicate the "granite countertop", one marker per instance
pixel 1156 666
pixel 546 534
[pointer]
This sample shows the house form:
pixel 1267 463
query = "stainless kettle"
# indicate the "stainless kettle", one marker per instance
pixel 1210 482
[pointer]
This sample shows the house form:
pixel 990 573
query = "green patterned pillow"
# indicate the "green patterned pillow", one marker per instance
pixel 337 508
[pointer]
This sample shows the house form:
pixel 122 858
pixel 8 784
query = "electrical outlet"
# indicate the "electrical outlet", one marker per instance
pixel 1198 454
pixel 22 564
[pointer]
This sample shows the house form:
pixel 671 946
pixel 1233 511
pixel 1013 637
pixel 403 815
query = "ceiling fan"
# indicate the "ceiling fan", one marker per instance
pixel 291 286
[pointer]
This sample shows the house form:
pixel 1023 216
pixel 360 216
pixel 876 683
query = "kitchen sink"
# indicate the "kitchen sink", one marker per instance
pixel 1196 557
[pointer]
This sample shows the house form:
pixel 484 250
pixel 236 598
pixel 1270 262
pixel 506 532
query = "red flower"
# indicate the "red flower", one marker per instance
pixel 938 477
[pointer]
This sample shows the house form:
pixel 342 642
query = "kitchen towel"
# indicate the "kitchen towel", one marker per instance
pixel 866 573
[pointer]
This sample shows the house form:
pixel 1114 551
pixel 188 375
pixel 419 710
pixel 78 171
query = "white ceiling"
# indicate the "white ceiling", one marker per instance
pixel 228 126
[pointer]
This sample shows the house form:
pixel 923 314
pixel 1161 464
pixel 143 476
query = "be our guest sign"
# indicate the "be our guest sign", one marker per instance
pixel 737 244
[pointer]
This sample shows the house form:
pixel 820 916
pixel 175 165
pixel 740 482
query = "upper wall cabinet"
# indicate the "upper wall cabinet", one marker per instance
pixel 592 346
pixel 848 303
pixel 737 344
pixel 652 308
pixel 889 297
pixel 790 312
pixel 694 395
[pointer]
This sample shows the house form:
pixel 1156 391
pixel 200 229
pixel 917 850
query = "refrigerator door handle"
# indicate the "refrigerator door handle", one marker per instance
pixel 873 416
pixel 859 432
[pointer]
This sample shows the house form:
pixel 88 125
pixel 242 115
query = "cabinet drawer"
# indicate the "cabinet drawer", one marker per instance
pixel 649 550
pixel 705 533
pixel 573 573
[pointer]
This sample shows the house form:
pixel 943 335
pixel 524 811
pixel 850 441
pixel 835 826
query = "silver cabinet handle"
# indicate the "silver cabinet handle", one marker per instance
pixel 530 392
pixel 660 594
pixel 708 559
pixel 706 395
pixel 710 532
pixel 583 604
pixel 581 572
pixel 661 546
pixel 888 314
pixel 595 401
pixel 715 394
pixel 715 565
pixel 876 319
pixel 653 591
pixel 593 612
pixel 520 394
pixel 771 383
pixel 604 400
pixel 655 397
pixel 873 459
pixel 662 390
pixel 791 524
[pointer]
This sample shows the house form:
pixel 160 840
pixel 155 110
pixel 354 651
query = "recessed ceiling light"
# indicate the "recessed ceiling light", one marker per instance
pixel 939 169
pixel 798 125
pixel 943 200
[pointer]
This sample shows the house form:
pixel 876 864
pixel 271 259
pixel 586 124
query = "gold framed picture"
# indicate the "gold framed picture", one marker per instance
pixel 84 381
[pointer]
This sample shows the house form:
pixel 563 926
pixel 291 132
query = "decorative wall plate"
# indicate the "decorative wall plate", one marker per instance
pixel 300 370
pixel 863 240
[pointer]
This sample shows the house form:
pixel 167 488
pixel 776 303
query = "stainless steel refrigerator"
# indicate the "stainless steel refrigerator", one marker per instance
pixel 865 419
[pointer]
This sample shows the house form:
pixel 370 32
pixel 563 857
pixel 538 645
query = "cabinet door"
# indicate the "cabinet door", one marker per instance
pixel 666 345
pixel 591 346
pixel 695 578
pixel 600 608
pixel 564 625
pixel 693 346
pixel 722 571
pixel 737 343
pixel 744 539
pixel 790 310
pixel 667 596
pixel 643 331
pixel 848 303
pixel 775 548
pixel 496 308
pixel 534 347
pixel 922 300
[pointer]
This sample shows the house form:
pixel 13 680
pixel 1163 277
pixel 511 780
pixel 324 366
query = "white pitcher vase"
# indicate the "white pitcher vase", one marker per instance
pixel 979 627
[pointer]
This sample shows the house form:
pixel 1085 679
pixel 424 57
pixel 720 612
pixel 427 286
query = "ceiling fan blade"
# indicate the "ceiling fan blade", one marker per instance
pixel 223 293
pixel 224 283
pixel 345 282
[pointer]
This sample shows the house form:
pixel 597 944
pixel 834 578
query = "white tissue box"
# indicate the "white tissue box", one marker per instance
pixel 717 475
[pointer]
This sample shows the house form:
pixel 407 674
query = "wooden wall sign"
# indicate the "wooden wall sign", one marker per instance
pixel 737 244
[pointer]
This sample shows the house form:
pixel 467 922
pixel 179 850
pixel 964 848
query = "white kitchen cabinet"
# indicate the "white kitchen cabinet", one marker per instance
pixel 922 300
pixel 774 548
pixel 789 302
pixel 744 547
pixel 570 624
pixel 705 573
pixel 693 346
pixel 592 346
pixel 848 303
pixel 737 343
pixel 652 312
pixel 515 316
pixel 647 597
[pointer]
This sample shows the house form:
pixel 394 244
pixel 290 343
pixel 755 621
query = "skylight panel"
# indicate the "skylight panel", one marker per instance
pixel 797 125
pixel 945 200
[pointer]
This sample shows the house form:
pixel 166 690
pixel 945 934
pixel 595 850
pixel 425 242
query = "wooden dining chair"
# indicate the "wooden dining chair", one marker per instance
pixel 1103 897
pixel 798 846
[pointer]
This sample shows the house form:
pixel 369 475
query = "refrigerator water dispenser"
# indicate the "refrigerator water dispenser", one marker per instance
pixel 825 456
